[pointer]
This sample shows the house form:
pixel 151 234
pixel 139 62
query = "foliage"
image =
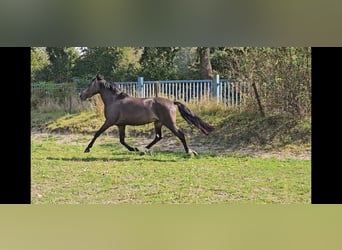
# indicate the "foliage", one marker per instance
pixel 39 60
pixel 280 77
pixel 52 97
pixel 129 68
pixel 48 92
pixel 185 63
pixel 96 60
pixel 62 60
pixel 157 63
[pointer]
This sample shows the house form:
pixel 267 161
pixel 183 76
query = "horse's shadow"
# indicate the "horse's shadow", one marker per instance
pixel 117 158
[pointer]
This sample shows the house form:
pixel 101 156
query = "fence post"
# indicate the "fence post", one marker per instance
pixel 215 87
pixel 140 86
pixel 156 88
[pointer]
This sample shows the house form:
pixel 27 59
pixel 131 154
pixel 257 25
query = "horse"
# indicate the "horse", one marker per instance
pixel 121 109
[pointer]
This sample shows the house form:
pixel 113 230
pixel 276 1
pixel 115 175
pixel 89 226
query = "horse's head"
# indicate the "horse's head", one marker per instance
pixel 92 89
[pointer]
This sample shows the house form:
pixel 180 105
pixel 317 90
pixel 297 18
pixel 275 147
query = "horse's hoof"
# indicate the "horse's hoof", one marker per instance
pixel 87 150
pixel 144 151
pixel 192 152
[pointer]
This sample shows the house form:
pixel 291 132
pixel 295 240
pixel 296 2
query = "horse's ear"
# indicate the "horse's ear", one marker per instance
pixel 99 77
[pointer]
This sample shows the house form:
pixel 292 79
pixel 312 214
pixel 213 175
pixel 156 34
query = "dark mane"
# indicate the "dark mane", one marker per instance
pixel 114 88
pixel 122 95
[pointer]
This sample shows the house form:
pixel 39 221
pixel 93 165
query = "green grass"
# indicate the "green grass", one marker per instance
pixel 62 174
pixel 223 172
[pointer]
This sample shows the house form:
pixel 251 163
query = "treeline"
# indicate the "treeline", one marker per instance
pixel 115 63
pixel 280 77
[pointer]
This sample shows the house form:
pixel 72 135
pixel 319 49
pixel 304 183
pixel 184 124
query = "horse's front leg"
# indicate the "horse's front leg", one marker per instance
pixel 97 134
pixel 122 138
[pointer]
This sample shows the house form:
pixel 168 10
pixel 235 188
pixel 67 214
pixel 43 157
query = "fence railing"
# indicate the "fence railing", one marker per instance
pixel 228 92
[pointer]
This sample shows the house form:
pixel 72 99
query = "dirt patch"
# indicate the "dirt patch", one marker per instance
pixel 171 143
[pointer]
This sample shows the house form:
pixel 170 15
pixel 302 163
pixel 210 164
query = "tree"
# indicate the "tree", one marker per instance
pixel 185 63
pixel 39 60
pixel 128 67
pixel 103 60
pixel 62 61
pixel 157 63
pixel 228 62
pixel 280 77
pixel 205 64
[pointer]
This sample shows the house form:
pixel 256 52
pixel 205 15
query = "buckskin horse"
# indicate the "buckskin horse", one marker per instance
pixel 121 109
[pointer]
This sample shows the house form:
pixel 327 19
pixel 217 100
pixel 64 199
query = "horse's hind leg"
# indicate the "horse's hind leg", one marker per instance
pixel 169 121
pixel 177 132
pixel 122 138
pixel 157 127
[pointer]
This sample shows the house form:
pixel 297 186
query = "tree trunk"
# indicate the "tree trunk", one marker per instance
pixel 256 93
pixel 205 64
pixel 261 109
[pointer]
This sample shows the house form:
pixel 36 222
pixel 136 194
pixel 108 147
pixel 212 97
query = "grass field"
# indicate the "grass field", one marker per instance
pixel 62 174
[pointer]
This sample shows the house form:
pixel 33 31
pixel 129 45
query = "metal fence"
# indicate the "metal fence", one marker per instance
pixel 228 92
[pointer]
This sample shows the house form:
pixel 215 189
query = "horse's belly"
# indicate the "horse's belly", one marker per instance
pixel 136 112
pixel 137 118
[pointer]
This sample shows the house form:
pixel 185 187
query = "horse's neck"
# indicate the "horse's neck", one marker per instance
pixel 106 96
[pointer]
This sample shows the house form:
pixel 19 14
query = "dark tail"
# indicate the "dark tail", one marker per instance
pixel 191 118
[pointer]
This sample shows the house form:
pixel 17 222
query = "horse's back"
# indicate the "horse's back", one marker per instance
pixel 163 103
